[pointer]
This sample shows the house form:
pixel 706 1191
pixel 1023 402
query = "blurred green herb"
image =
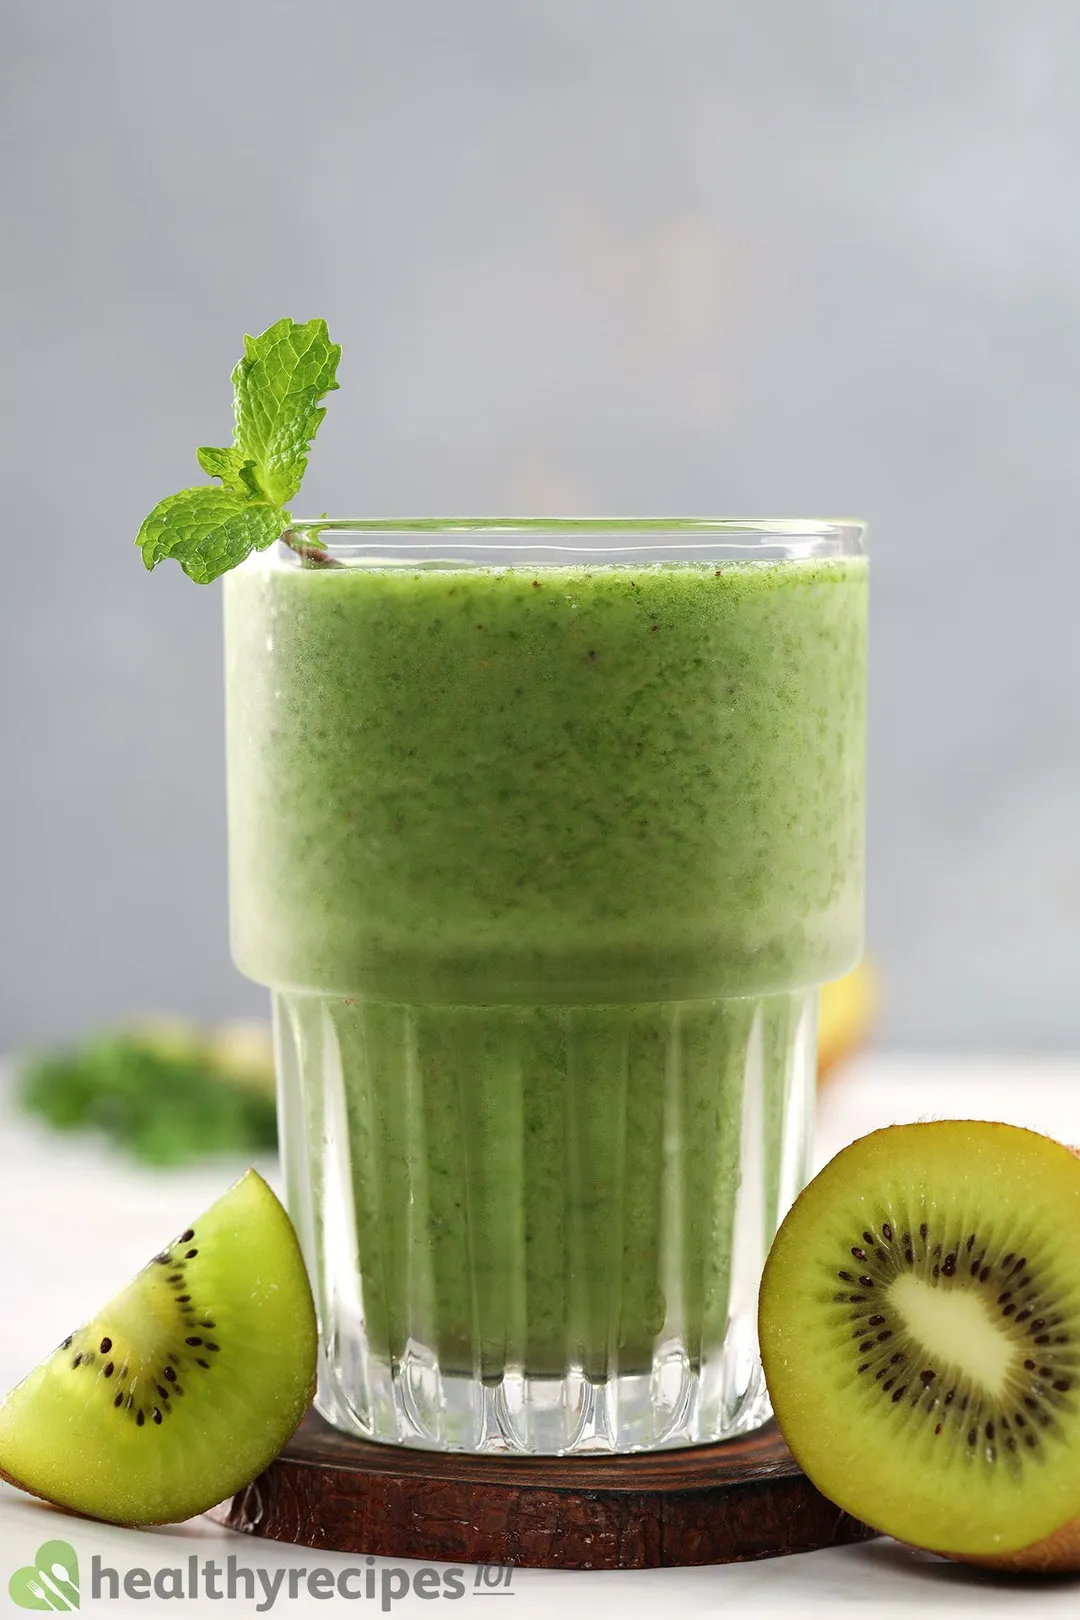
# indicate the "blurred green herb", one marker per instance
pixel 167 1101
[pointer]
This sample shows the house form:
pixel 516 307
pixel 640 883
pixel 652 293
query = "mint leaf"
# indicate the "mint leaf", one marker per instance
pixel 209 530
pixel 235 470
pixel 277 386
pixel 279 381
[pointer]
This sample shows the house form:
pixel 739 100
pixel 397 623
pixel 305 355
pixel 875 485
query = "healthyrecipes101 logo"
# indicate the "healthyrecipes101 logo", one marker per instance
pixel 52 1581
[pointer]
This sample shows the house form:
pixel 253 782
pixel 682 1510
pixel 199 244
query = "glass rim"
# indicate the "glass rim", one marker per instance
pixel 507 542
pixel 851 531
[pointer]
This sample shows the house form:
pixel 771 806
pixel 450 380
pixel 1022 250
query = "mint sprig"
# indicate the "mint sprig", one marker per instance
pixel 277 385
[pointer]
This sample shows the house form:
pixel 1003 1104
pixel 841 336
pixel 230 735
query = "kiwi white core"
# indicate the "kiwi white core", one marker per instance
pixel 954 1325
pixel 140 1314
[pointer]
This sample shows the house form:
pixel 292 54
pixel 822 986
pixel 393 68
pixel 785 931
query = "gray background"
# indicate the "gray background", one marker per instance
pixel 799 256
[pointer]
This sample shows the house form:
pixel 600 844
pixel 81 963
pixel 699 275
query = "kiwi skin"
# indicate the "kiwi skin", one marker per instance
pixel 1058 1554
pixel 782 1294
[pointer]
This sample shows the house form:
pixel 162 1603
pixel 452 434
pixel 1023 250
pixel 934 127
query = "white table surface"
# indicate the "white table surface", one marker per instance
pixel 77 1221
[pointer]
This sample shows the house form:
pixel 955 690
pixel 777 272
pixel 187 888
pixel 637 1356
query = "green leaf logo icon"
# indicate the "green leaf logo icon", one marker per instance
pixel 50 1582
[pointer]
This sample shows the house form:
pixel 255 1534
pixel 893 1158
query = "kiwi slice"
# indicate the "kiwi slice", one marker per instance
pixel 920 1331
pixel 185 1385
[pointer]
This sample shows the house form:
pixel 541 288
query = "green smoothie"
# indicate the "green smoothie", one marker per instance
pixel 541 866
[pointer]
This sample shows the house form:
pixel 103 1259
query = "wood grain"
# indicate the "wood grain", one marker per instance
pixel 704 1505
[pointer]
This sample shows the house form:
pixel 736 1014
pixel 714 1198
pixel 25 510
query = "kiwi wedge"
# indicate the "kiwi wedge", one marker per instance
pixel 920 1330
pixel 185 1385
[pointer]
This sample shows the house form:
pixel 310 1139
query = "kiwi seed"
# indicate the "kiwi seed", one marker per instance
pixel 124 1401
pixel 1043 1395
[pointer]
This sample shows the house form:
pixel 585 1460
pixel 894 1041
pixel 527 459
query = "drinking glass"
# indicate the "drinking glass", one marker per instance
pixel 543 835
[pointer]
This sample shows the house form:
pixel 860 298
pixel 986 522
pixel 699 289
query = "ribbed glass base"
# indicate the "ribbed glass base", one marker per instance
pixel 541 1229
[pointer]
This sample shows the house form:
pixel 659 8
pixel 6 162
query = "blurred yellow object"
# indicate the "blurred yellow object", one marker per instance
pixel 846 1015
pixel 168 1035
pixel 244 1049
pixel 240 1051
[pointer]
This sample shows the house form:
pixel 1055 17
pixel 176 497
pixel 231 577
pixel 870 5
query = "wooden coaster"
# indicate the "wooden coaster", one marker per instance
pixel 714 1504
